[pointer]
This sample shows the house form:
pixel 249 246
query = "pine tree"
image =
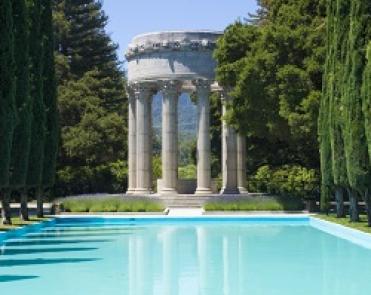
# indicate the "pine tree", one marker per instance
pixel 21 139
pixel 35 163
pixel 89 48
pixel 50 102
pixel 91 98
pixel 7 102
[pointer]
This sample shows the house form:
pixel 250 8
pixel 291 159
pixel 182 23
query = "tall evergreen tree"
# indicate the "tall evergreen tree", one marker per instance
pixel 357 160
pixel 91 98
pixel 366 97
pixel 50 102
pixel 323 120
pixel 339 16
pixel 36 157
pixel 21 142
pixel 7 102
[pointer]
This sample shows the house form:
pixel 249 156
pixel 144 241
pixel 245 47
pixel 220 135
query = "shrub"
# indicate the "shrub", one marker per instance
pixel 287 180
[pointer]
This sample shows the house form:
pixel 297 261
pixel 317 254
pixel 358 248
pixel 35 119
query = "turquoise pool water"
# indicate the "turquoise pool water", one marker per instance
pixel 200 256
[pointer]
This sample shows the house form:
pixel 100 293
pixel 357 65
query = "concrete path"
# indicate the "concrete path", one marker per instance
pixel 173 211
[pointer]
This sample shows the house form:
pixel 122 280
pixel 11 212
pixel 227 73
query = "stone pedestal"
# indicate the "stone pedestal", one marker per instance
pixel 229 155
pixel 144 140
pixel 170 93
pixel 241 163
pixel 132 143
pixel 203 138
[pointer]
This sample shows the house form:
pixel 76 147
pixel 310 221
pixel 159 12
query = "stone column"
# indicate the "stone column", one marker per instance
pixel 143 94
pixel 241 163
pixel 229 154
pixel 203 138
pixel 132 143
pixel 170 93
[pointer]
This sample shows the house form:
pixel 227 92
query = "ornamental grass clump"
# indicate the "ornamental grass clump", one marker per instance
pixel 79 205
pixel 256 204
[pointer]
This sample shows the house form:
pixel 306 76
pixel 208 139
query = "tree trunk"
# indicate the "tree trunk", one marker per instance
pixel 339 197
pixel 23 214
pixel 40 203
pixel 353 205
pixel 5 207
pixel 368 206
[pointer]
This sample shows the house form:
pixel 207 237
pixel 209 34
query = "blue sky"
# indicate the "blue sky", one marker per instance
pixel 128 18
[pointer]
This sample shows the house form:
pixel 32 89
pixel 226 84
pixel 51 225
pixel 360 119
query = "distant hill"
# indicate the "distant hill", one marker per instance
pixel 187 116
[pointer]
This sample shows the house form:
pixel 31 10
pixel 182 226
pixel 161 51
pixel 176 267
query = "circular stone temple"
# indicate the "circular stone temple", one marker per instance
pixel 171 63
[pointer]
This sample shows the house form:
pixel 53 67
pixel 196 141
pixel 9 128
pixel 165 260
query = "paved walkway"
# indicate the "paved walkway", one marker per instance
pixel 173 211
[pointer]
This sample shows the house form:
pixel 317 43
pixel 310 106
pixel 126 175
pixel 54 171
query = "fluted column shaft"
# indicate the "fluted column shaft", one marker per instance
pixel 203 138
pixel 144 140
pixel 170 93
pixel 132 143
pixel 229 154
pixel 241 163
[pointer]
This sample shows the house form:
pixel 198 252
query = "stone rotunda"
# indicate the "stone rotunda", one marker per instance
pixel 172 63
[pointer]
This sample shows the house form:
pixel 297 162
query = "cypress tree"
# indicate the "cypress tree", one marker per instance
pixel 340 15
pixel 21 142
pixel 324 119
pixel 366 97
pixel 50 102
pixel 36 157
pixel 7 102
pixel 357 160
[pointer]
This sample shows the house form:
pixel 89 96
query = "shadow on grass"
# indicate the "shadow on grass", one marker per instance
pixel 7 279
pixel 43 261
pixel 7 252
pixel 52 242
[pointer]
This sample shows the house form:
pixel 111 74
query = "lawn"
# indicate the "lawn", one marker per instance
pixel 17 222
pixel 257 204
pixel 361 225
pixel 80 205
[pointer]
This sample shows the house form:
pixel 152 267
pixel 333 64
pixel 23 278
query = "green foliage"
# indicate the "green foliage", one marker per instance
pixel 110 205
pixel 257 204
pixel 7 90
pixel 288 180
pixel 188 172
pixel 91 101
pixel 22 133
pixel 345 161
pixel 36 158
pixel 273 69
pixel 366 97
pixel 50 99
pixel 357 160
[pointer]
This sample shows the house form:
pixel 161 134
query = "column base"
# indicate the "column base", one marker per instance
pixel 242 190
pixel 229 191
pixel 142 191
pixel 168 191
pixel 203 191
pixel 130 191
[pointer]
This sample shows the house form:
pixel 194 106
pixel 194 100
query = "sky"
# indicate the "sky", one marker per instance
pixel 128 18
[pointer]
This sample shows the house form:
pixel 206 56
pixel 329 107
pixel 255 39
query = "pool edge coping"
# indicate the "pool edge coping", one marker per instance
pixel 350 234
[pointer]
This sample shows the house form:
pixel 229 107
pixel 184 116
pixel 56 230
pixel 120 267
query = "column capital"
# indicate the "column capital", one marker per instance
pixel 202 85
pixel 170 87
pixel 137 88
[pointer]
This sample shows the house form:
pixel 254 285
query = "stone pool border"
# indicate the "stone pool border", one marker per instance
pixel 353 235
